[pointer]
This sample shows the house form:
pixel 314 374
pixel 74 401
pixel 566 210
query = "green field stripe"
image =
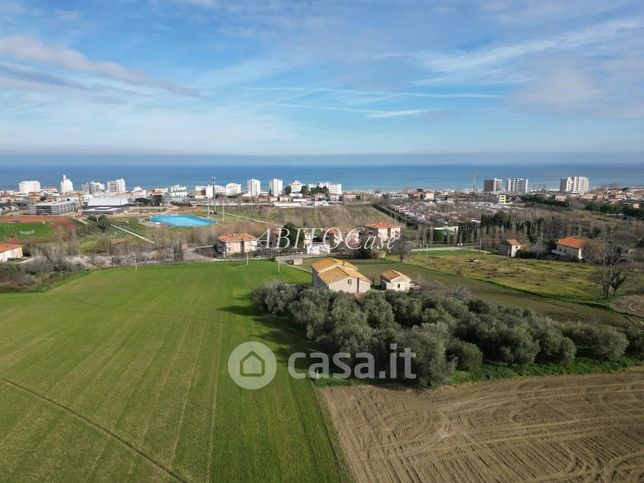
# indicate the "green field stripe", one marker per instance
pixel 99 428
pixel 122 388
pixel 144 355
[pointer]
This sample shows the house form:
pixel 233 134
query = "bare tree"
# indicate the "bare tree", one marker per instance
pixel 612 264
pixel 402 249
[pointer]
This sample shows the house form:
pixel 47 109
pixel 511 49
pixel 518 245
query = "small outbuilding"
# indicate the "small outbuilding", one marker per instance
pixel 10 251
pixel 394 280
pixel 510 247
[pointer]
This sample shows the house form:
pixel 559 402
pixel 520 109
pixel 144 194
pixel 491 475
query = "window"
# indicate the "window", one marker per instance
pixel 350 282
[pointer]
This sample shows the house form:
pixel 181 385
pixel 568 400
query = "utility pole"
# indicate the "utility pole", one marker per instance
pixel 212 185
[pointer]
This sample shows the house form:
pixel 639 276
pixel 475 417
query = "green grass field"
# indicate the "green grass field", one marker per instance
pixel 121 375
pixel 555 308
pixel 550 278
pixel 25 231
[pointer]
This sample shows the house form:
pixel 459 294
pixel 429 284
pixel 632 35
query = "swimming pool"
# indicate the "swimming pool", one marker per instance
pixel 184 221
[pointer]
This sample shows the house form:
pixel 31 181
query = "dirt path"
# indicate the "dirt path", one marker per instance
pixel 561 428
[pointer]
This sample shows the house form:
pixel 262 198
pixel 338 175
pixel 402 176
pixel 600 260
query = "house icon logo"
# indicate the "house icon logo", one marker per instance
pixel 252 365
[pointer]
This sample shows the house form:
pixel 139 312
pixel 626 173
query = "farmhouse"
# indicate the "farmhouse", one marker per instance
pixel 383 231
pixel 339 276
pixel 394 280
pixel 570 247
pixel 236 243
pixel 10 251
pixel 509 247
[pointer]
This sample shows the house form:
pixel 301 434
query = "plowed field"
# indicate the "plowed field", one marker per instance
pixel 563 428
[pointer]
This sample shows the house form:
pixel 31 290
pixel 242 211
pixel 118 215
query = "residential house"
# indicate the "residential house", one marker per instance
pixel 342 237
pixel 509 247
pixel 394 280
pixel 383 231
pixel 237 243
pixel 570 247
pixel 339 276
pixel 10 251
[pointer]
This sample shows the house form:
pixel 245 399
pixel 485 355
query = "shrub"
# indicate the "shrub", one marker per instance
pixel 595 341
pixel 468 357
pixel 407 308
pixel 378 311
pixel 430 366
pixel 554 346
pixel 274 297
pixel 635 337
pixel 311 307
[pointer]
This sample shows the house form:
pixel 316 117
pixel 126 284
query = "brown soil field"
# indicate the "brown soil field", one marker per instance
pixel 559 428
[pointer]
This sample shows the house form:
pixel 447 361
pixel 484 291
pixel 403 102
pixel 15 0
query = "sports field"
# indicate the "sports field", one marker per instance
pixel 121 375
pixel 25 231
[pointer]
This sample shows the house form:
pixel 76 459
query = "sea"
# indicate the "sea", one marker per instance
pixel 354 173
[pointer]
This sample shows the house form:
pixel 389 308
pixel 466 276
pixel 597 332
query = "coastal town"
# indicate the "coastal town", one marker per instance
pixel 113 197
pixel 321 241
pixel 230 221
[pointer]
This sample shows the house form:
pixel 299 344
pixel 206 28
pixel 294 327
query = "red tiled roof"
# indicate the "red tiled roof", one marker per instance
pixel 572 242
pixel 5 247
pixel 236 237
pixel 511 241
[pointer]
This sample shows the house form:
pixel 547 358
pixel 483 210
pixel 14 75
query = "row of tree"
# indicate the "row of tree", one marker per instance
pixel 446 330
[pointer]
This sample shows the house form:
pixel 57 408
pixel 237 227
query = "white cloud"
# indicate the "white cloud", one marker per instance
pixel 480 59
pixel 371 113
pixel 31 49
pixel 561 87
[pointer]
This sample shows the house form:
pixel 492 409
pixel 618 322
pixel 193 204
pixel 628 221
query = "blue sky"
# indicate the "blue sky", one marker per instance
pixel 309 77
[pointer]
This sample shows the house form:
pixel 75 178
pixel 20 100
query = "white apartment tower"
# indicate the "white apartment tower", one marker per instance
pixel 493 185
pixel 276 186
pixel 253 187
pixel 29 187
pixel 574 185
pixel 116 186
pixel 232 189
pixel 93 187
pixel 335 189
pixel 66 185
pixel 517 185
pixel 296 187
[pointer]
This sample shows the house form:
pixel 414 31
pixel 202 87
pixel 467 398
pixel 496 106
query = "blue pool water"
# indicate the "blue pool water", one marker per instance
pixel 185 221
